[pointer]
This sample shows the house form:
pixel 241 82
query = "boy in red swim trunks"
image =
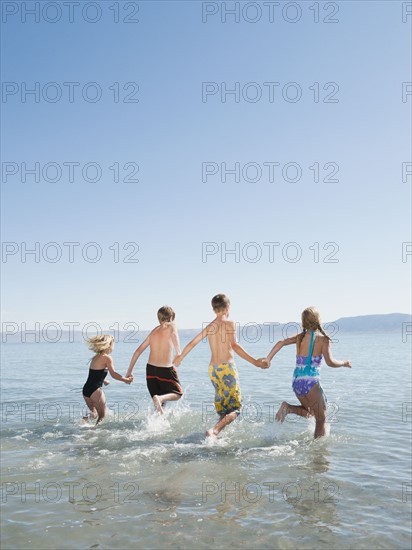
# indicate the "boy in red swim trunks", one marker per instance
pixel 161 376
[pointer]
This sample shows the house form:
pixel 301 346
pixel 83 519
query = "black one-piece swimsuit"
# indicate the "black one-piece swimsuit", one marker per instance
pixel 94 381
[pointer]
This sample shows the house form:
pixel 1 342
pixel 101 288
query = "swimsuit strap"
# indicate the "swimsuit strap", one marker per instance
pixel 312 341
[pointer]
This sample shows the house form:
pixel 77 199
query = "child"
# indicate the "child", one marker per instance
pixel 161 376
pixel 100 364
pixel 310 346
pixel 223 374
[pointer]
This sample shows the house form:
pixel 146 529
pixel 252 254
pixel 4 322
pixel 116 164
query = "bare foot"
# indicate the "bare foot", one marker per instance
pixel 158 404
pixel 282 412
pixel 210 433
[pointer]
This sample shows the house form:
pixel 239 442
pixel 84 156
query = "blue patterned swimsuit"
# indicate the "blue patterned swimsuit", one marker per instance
pixel 306 373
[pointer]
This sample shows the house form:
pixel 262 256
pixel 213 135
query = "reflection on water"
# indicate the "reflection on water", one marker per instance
pixel 317 455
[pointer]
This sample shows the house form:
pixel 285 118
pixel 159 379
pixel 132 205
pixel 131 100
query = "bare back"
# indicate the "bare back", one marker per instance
pixel 99 362
pixel 220 334
pixel 302 348
pixel 163 340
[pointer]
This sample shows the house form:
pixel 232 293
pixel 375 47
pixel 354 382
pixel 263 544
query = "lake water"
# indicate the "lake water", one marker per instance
pixel 144 481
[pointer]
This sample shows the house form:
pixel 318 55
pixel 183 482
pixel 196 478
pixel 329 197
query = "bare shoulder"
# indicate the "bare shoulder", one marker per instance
pixel 211 327
pixel 167 329
pixel 109 360
pixel 229 326
pixel 153 331
pixel 323 339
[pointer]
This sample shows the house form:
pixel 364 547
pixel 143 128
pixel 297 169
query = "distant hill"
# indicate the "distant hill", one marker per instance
pixel 388 321
pixel 363 323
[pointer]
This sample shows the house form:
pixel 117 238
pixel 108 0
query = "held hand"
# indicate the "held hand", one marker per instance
pixel 129 379
pixel 177 360
pixel 263 363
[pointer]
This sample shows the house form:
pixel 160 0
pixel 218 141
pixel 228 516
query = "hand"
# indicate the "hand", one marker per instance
pixel 129 379
pixel 347 364
pixel 263 363
pixel 177 360
pixel 106 382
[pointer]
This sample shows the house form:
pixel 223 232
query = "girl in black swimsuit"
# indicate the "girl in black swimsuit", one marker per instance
pixel 100 365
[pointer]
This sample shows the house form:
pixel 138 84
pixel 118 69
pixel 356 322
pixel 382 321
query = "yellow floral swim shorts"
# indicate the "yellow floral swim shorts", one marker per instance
pixel 225 379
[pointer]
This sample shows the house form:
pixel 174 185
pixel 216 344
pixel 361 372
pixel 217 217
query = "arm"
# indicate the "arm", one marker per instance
pixel 329 360
pixel 175 339
pixel 279 345
pixel 137 354
pixel 237 348
pixel 116 375
pixel 188 348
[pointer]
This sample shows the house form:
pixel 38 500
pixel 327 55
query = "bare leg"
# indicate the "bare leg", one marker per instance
pixel 158 404
pixel 223 422
pixel 286 409
pixel 99 400
pixel 317 407
pixel 312 404
pixel 92 408
pixel 169 397
pixel 160 400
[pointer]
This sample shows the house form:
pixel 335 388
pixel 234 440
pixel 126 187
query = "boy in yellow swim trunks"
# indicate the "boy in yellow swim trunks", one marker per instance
pixel 221 333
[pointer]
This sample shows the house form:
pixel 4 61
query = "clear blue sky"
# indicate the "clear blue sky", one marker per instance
pixel 170 132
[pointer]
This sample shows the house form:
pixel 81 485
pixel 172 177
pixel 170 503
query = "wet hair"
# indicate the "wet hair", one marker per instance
pixel 220 302
pixel 311 321
pixel 101 344
pixel 165 314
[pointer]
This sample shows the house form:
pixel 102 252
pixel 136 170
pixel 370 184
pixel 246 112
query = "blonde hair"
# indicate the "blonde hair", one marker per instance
pixel 166 314
pixel 101 344
pixel 311 321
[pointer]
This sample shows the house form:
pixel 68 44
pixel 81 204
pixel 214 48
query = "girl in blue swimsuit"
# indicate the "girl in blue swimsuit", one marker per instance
pixel 312 344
